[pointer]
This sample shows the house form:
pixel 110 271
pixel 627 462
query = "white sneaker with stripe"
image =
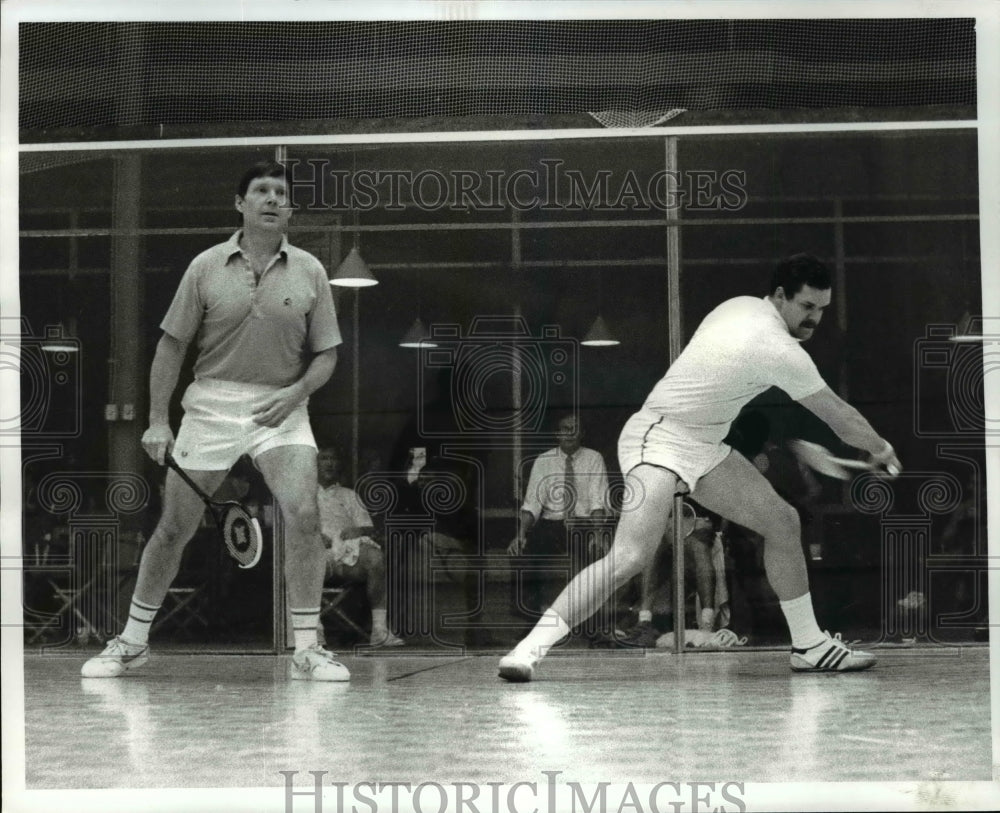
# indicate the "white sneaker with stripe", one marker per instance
pixel 830 655
pixel 118 657
pixel 316 663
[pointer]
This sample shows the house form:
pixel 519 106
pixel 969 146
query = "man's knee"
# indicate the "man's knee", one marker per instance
pixel 372 560
pixel 303 515
pixel 783 522
pixel 627 561
pixel 174 530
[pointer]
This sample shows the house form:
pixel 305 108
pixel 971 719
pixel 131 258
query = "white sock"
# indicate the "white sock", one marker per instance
pixel 646 615
pixel 379 623
pixel 549 631
pixel 707 619
pixel 802 622
pixel 304 627
pixel 140 619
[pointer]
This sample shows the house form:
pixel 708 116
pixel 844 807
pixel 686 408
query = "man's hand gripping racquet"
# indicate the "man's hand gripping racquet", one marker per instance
pixel 821 460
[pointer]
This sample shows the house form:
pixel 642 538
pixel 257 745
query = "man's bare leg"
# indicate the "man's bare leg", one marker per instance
pixel 645 513
pixel 290 474
pixel 738 492
pixel 182 513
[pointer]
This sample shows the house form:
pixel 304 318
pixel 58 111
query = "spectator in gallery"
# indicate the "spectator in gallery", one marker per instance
pixel 704 568
pixel 352 554
pixel 567 483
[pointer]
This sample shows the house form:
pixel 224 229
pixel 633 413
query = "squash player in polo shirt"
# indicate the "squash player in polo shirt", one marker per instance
pixel 675 443
pixel 262 316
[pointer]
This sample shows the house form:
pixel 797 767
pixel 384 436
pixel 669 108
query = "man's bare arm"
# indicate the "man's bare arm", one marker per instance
pixel 850 426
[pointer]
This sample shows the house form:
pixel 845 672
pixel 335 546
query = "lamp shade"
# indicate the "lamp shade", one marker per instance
pixel 353 272
pixel 416 336
pixel 969 329
pixel 599 335
pixel 61 339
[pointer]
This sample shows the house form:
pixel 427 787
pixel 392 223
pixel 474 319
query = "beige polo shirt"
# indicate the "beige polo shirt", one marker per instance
pixel 258 333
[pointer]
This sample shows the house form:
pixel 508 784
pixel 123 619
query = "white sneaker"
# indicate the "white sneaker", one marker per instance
pixel 830 655
pixel 117 658
pixel 706 621
pixel 516 667
pixel 315 663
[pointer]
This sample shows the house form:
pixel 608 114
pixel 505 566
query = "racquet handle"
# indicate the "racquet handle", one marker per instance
pixel 169 460
pixel 861 465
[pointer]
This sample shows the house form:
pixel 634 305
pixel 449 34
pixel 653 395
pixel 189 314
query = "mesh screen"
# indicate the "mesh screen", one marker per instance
pixel 624 73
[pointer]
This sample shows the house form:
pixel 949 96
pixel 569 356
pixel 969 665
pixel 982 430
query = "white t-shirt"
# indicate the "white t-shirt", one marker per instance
pixel 740 349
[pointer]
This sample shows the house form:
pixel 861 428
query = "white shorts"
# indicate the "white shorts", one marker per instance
pixel 218 427
pixel 649 437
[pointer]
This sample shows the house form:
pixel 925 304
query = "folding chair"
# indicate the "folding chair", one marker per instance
pixel 80 581
pixel 182 606
pixel 186 605
pixel 330 603
pixel 48 580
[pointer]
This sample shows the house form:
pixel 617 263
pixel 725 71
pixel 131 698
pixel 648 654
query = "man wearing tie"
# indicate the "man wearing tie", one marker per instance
pixel 567 482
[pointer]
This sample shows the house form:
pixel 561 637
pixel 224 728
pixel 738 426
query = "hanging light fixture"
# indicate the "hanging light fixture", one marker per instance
pixel 416 336
pixel 969 328
pixel 599 335
pixel 353 272
pixel 61 338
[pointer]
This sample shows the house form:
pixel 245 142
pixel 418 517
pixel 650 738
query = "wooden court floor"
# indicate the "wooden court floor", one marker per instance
pixel 218 721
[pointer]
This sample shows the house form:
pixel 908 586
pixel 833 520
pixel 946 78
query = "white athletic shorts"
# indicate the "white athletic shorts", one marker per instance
pixel 649 437
pixel 218 427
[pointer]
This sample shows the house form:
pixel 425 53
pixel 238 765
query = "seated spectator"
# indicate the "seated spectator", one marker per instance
pixel 567 482
pixel 353 556
pixel 371 470
pixel 456 526
pixel 370 462
pixel 704 566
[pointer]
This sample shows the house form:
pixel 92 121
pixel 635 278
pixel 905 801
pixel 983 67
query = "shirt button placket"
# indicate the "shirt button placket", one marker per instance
pixel 254 290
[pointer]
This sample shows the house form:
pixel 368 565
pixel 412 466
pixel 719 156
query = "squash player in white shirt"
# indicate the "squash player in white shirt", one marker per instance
pixel 674 443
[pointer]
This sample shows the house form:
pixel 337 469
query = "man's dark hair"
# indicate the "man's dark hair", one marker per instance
pixel 798 270
pixel 262 169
